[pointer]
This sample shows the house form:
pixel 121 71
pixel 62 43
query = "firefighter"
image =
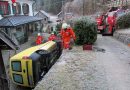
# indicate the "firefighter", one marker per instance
pixel 39 39
pixel 111 21
pixel 72 31
pixel 52 37
pixel 67 34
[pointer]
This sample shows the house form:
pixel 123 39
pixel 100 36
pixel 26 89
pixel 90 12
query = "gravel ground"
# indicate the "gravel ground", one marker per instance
pixel 104 69
pixel 75 70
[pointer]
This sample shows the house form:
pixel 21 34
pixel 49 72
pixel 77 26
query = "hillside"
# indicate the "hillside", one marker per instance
pixel 79 7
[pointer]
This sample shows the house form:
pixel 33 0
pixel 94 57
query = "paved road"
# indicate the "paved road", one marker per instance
pixel 116 63
pixel 107 68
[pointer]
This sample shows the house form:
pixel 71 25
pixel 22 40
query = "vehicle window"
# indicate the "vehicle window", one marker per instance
pixel 16 66
pixel 18 78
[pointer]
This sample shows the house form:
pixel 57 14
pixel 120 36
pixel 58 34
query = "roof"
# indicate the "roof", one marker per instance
pixel 53 18
pixel 6 42
pixel 59 13
pixel 12 21
pixel 45 13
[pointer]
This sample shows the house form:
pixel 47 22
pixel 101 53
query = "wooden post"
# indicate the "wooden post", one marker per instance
pixel 3 76
pixel 2 68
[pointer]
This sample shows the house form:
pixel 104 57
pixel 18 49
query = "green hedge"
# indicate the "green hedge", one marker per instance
pixel 85 30
pixel 58 27
pixel 123 21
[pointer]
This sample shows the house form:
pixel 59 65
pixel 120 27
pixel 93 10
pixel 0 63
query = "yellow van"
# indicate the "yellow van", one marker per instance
pixel 30 65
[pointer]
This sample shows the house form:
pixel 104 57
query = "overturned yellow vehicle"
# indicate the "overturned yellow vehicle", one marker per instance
pixel 30 65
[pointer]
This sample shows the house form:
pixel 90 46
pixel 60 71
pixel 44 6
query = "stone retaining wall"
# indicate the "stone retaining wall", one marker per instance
pixel 122 36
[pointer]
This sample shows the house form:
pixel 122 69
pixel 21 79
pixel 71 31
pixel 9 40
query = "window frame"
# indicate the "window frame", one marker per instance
pixel 25 8
pixel 15 79
pixel 4 7
pixel 16 9
pixel 20 66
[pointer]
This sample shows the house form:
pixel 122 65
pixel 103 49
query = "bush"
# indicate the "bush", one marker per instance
pixel 123 21
pixel 58 27
pixel 85 30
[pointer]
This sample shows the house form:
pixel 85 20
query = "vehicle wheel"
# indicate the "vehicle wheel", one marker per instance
pixel 47 64
pixel 59 53
pixel 102 31
pixel 37 71
pixel 105 32
pixel 113 30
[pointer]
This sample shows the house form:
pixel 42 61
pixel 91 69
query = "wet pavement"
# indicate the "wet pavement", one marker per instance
pixel 116 62
pixel 105 68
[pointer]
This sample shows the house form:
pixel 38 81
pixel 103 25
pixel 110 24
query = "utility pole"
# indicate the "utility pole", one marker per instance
pixel 94 5
pixel 62 9
pixel 83 7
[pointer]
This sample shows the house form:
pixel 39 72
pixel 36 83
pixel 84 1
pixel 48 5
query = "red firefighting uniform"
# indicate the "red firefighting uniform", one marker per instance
pixel 66 37
pixel 99 20
pixel 52 37
pixel 39 40
pixel 111 22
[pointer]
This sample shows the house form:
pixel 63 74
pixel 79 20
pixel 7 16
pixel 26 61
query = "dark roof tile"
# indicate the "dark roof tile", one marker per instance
pixel 17 20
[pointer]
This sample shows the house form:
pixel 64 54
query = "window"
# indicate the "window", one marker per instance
pixel 4 8
pixel 16 66
pixel 45 19
pixel 18 78
pixel 25 9
pixel 17 8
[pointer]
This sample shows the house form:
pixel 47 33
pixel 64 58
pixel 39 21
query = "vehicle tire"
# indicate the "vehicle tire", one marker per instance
pixel 37 72
pixel 113 30
pixel 102 31
pixel 59 53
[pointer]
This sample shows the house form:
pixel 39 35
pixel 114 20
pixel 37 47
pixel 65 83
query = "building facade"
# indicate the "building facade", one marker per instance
pixel 20 7
pixel 44 15
pixel 17 20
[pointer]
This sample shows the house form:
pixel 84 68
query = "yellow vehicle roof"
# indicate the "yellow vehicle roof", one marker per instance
pixel 31 50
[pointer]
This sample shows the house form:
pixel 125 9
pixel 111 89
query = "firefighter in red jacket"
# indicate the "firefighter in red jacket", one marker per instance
pixel 39 39
pixel 111 21
pixel 52 37
pixel 67 34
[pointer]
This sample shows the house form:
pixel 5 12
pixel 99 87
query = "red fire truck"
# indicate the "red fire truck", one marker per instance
pixel 106 22
pixel 100 23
